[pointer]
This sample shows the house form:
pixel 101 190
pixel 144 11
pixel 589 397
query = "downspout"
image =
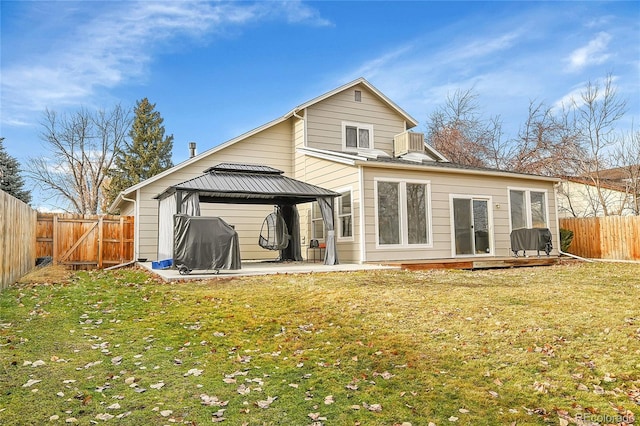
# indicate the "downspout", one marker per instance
pixel 304 126
pixel 555 195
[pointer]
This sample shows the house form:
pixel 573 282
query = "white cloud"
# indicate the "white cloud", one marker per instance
pixel 117 44
pixel 595 52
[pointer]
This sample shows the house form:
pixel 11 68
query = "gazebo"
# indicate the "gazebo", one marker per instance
pixel 233 183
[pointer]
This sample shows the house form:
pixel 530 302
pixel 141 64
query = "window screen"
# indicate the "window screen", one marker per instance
pixel 518 209
pixel 363 138
pixel 538 210
pixel 388 213
pixel 417 213
pixel 352 137
pixel 345 215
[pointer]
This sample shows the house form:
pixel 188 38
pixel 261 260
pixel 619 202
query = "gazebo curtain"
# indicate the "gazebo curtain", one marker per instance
pixel 326 210
pixel 190 205
pixel 292 219
pixel 166 210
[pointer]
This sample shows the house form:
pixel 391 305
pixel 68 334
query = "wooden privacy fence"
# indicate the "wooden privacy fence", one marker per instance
pixel 85 241
pixel 17 239
pixel 611 237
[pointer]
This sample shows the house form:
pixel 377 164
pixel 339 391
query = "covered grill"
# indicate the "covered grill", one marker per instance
pixel 524 239
pixel 207 243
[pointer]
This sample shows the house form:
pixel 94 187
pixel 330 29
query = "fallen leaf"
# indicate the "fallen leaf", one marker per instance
pixel 373 407
pixel 463 410
pixel 159 385
pixel 453 419
pixel 30 383
pixel 212 401
pixel 266 403
pixel 104 416
pixel 38 363
pixel 193 372
pixel 166 413
pixel 328 400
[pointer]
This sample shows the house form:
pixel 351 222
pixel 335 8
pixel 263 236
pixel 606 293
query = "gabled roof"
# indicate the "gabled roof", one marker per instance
pixel 249 184
pixel 411 122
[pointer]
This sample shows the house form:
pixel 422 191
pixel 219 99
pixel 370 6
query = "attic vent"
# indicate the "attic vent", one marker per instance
pixel 407 142
pixel 358 96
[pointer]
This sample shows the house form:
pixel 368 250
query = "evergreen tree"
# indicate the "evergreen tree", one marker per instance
pixel 10 179
pixel 147 154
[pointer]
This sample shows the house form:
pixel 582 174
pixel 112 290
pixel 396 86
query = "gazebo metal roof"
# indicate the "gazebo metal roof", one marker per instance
pixel 249 184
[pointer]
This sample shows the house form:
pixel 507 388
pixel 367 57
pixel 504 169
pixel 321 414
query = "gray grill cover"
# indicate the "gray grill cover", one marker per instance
pixel 531 239
pixel 205 243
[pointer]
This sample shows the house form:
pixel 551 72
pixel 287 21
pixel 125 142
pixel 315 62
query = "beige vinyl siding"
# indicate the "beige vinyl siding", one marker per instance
pixel 443 184
pixel 334 176
pixel 270 147
pixel 127 209
pixel 324 120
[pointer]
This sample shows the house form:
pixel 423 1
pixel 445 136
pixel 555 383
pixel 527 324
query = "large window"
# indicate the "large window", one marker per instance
pixel 528 208
pixel 317 224
pixel 345 216
pixel 357 136
pixel 403 213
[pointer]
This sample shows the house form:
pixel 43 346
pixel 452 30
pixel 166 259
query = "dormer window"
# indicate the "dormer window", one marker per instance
pixel 357 136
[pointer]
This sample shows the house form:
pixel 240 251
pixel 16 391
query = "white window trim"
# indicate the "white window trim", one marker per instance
pixel 404 244
pixel 489 201
pixel 527 201
pixel 339 236
pixel 359 126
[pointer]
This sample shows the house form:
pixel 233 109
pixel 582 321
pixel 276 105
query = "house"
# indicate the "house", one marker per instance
pixel 399 199
pixel 588 197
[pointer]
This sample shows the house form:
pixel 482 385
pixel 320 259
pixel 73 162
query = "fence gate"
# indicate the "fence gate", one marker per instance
pixel 85 241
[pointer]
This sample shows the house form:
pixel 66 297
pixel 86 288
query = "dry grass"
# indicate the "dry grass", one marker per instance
pixel 49 274
pixel 523 346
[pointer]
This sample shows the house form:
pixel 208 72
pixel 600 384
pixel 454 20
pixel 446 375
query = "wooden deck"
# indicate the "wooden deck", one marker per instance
pixel 475 263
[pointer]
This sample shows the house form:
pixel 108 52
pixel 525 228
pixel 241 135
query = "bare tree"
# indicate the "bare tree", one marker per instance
pixel 81 146
pixel 597 110
pixel 547 143
pixel 458 131
pixel 627 158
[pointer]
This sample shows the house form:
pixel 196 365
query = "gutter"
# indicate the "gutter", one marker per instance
pixel 423 167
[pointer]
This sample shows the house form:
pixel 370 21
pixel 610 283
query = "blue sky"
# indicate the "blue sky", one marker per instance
pixel 218 69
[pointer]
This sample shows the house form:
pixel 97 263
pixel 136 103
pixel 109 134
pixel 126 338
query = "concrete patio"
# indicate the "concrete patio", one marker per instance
pixel 252 268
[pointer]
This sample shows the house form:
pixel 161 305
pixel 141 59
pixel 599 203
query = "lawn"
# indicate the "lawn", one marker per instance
pixel 557 345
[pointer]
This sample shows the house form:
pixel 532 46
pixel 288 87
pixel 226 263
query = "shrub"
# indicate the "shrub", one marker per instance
pixel 566 238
